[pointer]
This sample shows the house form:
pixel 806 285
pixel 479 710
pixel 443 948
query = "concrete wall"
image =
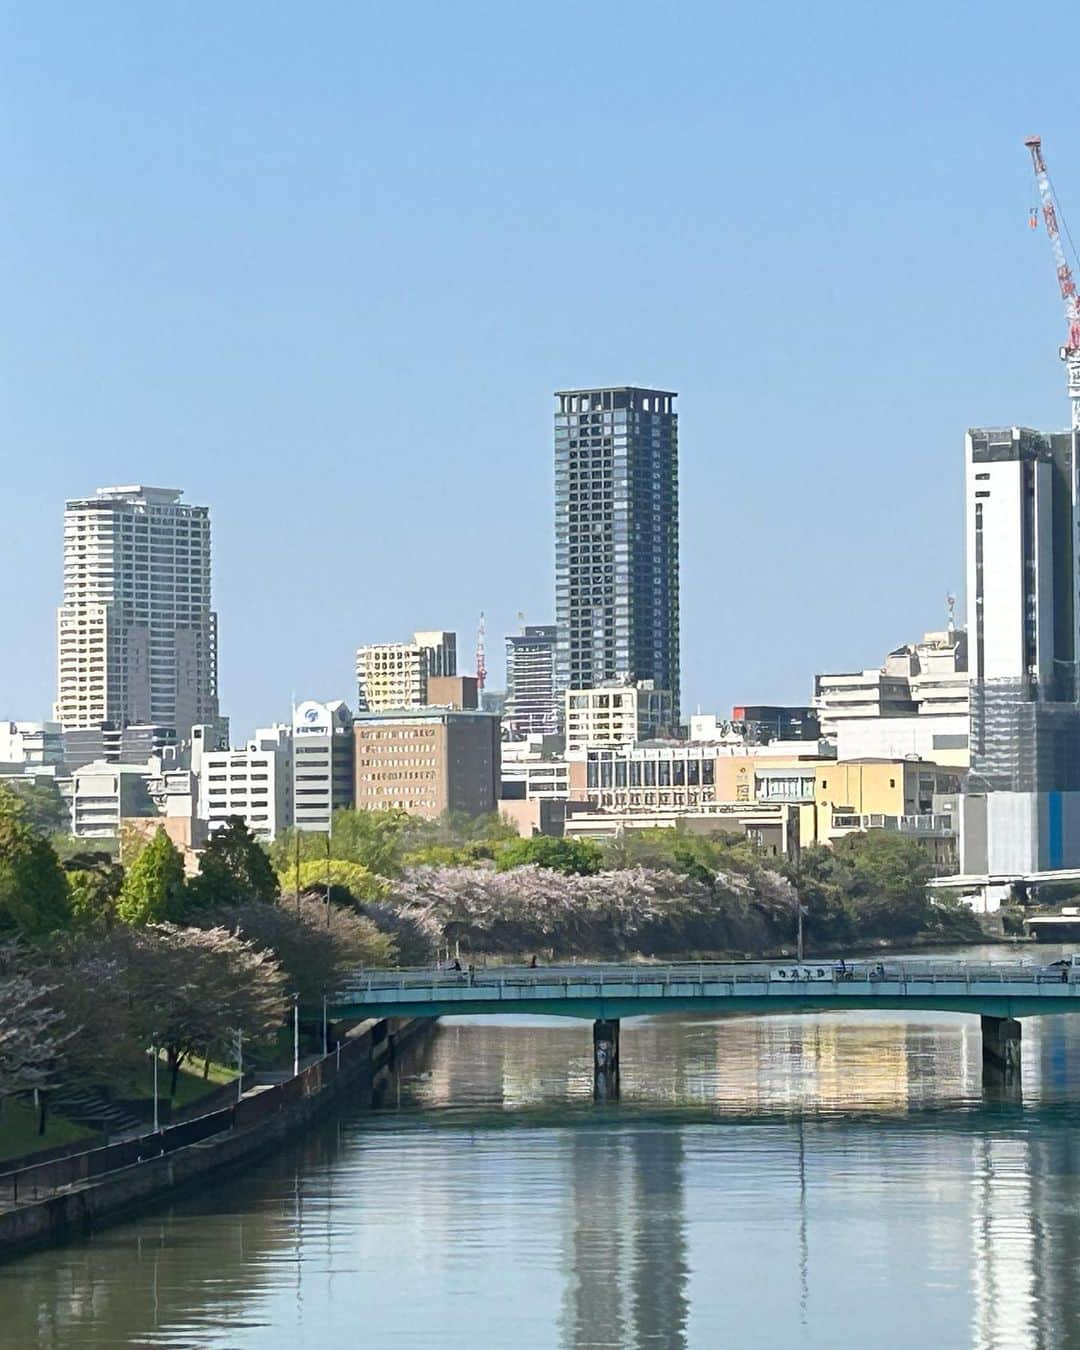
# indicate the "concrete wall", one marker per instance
pixel 261 1123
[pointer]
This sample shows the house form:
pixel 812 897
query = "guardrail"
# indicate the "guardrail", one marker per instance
pixel 37 1180
pixel 373 986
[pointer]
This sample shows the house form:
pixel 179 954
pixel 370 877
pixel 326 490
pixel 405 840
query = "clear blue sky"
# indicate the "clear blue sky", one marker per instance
pixel 323 265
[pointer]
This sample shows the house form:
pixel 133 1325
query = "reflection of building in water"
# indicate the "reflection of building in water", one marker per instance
pixel 1003 1245
pixel 512 1065
pixel 625 1258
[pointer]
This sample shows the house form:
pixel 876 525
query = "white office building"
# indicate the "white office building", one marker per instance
pixel 393 676
pixel 617 714
pixel 254 784
pixel 323 763
pixel 28 745
pixel 137 639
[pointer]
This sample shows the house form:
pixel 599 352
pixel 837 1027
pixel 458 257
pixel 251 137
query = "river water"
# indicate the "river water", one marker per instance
pixel 831 1180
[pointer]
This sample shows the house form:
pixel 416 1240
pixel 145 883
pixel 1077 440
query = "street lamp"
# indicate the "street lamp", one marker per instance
pixel 155 1049
pixel 296 1034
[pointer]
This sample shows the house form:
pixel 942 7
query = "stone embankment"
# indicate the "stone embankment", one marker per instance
pixel 61 1198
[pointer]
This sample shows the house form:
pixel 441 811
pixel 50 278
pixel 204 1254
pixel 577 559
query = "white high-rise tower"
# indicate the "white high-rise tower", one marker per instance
pixel 137 639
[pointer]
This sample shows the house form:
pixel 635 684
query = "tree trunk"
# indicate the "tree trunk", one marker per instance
pixel 41 1113
pixel 174 1072
pixel 206 1068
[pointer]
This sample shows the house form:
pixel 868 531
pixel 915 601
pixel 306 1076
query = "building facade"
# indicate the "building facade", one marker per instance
pixel 393 675
pixel 1022 803
pixel 617 714
pixel 137 638
pixel 254 784
pixel 533 706
pixel 427 762
pixel 322 764
pixel 617 538
pixel 25 745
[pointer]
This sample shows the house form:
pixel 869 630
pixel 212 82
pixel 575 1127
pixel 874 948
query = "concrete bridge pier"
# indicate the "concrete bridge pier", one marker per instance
pixel 1000 1051
pixel 605 1039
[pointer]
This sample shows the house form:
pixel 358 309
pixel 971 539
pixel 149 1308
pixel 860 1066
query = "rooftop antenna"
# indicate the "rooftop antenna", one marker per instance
pixel 950 605
pixel 521 619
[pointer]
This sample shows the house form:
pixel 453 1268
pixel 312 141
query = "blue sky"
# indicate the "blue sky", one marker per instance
pixel 323 265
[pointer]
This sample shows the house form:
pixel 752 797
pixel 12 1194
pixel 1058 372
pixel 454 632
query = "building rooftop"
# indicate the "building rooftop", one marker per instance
pixel 617 388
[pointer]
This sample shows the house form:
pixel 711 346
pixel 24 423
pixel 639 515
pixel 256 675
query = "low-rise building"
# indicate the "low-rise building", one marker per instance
pixel 617 714
pixel 535 768
pixel 104 794
pixel 427 761
pixel 772 826
pixel 253 784
pixel 28 745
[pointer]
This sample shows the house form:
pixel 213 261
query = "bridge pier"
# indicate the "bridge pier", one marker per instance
pixel 1000 1050
pixel 605 1039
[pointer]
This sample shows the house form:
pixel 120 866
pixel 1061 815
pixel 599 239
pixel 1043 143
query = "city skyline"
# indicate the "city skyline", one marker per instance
pixel 308 396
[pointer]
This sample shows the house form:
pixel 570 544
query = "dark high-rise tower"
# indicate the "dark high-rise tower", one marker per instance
pixel 617 537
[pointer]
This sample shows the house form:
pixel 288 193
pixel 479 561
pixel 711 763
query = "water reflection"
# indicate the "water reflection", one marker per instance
pixel 829 1180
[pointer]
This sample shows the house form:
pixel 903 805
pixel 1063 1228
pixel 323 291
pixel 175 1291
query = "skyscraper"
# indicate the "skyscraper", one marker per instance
pixel 1022 811
pixel 137 639
pixel 532 705
pixel 617 538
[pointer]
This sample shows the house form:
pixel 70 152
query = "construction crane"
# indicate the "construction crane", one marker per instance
pixel 1070 352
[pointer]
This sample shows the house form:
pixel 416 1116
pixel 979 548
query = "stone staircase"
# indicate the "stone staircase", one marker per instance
pixel 91 1107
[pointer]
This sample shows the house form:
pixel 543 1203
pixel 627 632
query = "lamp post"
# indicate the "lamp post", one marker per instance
pixel 325 1039
pixel 239 1063
pixel 295 1034
pixel 155 1086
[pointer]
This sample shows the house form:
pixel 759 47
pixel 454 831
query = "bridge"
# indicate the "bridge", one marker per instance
pixel 998 993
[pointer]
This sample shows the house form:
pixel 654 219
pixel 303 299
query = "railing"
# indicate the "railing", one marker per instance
pixel 40 1179
pixel 375 986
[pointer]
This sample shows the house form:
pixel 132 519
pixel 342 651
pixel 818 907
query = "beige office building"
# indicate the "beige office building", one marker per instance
pixel 393 675
pixel 428 761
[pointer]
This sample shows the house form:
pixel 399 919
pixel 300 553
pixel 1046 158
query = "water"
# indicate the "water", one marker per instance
pixel 835 1180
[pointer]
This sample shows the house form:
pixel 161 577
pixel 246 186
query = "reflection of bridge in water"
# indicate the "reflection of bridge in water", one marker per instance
pixel 999 994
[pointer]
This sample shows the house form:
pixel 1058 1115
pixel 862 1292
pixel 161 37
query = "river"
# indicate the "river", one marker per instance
pixel 831 1180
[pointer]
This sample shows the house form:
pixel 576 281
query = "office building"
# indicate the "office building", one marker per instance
pixel 534 768
pixel 137 639
pixel 322 774
pixel 617 538
pixel 427 761
pixel 393 675
pixel 617 714
pixel 457 692
pixel 533 705
pixel 1022 801
pixel 25 746
pixel 254 784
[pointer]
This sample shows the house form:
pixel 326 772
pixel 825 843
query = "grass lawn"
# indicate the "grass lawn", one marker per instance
pixel 190 1085
pixel 18 1130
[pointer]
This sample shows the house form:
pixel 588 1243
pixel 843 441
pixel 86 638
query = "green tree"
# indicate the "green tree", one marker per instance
pixel 153 887
pixel 350 882
pixel 234 868
pixel 33 889
pixel 44 810
pixel 581 857
pixel 94 889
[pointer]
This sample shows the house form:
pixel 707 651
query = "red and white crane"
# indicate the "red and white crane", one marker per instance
pixel 1070 352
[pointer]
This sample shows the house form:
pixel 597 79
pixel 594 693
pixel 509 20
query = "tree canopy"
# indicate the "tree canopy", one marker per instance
pixel 234 868
pixel 153 886
pixel 33 889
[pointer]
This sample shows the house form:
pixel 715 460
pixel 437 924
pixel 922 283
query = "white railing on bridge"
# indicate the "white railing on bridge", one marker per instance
pixel 825 976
